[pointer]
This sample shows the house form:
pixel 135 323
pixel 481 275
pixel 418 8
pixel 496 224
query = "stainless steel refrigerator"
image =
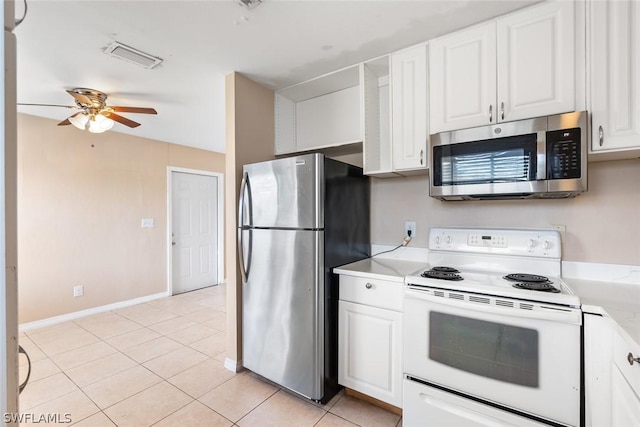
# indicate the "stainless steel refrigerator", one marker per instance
pixel 298 218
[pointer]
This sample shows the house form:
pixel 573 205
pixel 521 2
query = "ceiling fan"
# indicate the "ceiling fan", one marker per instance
pixel 95 115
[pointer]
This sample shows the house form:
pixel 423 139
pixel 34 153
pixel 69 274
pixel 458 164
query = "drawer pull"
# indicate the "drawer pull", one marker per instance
pixel 369 286
pixel 632 359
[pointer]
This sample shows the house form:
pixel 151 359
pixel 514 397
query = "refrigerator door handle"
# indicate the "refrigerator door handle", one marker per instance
pixel 245 268
pixel 245 189
pixel 244 186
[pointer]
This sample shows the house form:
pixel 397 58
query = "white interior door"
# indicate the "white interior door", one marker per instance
pixel 194 231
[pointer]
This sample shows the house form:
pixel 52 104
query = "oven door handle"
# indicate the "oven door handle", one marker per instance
pixel 539 311
pixel 462 412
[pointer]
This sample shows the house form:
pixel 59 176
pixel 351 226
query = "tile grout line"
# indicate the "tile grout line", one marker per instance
pixel 209 358
pixel 258 405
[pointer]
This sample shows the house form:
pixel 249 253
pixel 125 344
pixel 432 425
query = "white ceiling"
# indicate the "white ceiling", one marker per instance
pixel 278 43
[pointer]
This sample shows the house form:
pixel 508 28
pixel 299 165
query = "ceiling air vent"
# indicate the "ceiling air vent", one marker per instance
pixel 129 54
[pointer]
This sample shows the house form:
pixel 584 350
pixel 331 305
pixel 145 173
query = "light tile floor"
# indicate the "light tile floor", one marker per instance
pixel 161 363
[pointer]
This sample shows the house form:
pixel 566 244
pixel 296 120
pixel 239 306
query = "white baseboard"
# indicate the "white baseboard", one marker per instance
pixel 233 365
pixel 88 312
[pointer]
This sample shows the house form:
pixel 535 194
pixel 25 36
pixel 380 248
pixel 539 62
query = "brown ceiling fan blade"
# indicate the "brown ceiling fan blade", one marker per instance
pixel 48 105
pixel 66 121
pixel 123 120
pixel 82 99
pixel 138 110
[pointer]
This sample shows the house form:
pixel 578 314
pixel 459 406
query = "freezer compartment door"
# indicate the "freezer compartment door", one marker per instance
pixel 286 193
pixel 283 309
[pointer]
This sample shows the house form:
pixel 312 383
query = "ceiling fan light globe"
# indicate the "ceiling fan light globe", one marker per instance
pixel 100 123
pixel 79 121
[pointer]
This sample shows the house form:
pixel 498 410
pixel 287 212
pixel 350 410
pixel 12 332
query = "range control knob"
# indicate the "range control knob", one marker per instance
pixel 532 243
pixel 449 239
pixel 547 244
pixel 437 240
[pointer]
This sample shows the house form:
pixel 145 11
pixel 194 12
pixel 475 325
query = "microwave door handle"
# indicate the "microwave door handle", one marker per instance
pixel 491 113
pixel 467 413
pixel 554 314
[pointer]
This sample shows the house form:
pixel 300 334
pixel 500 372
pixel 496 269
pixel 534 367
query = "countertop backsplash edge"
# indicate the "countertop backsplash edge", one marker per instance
pixel 403 253
pixel 610 273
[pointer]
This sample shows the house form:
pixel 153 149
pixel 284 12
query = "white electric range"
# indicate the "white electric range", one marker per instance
pixel 492 334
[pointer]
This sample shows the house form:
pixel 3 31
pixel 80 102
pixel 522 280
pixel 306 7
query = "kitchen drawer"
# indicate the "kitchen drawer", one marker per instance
pixel 372 292
pixel 621 350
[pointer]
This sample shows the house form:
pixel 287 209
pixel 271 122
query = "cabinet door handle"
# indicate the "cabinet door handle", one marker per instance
pixel 369 286
pixel 600 135
pixel 502 110
pixel 421 156
pixel 632 359
pixel 490 113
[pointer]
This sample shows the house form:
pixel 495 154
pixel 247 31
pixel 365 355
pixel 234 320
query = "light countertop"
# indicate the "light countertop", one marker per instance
pixel 381 268
pixel 618 301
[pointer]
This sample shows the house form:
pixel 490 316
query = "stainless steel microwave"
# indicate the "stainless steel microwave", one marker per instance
pixel 545 157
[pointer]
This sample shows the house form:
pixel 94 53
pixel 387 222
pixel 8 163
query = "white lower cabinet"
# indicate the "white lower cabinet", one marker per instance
pixel 370 338
pixel 612 381
pixel 625 404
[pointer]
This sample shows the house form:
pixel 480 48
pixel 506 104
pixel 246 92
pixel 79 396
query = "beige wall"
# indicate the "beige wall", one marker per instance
pixel 602 225
pixel 250 138
pixel 81 198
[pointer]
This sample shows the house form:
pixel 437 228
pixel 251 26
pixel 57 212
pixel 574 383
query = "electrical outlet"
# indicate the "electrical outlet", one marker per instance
pixel 562 230
pixel 147 222
pixel 78 291
pixel 410 226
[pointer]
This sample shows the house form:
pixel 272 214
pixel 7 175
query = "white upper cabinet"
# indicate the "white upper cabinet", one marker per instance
pixel 409 113
pixel 376 117
pixel 536 57
pixel 321 113
pixel 463 79
pixel 614 41
pixel 518 66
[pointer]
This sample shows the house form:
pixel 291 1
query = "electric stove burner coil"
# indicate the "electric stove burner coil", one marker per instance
pixel 533 286
pixel 442 275
pixel 444 269
pixel 530 278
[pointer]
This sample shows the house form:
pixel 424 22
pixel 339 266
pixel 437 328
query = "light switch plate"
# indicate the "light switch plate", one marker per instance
pixel 147 222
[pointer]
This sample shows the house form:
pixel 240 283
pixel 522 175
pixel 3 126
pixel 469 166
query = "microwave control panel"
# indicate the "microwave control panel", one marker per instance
pixel 563 154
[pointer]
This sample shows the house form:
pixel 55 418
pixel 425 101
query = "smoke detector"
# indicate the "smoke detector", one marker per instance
pixel 134 56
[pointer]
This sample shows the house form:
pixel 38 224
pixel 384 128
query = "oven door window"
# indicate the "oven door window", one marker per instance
pixel 492 350
pixel 500 160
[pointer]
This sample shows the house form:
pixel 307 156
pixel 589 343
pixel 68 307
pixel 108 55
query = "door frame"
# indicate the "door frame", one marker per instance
pixel 220 224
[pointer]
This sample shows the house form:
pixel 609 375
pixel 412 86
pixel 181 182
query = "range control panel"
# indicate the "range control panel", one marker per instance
pixel 491 240
pixel 523 242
